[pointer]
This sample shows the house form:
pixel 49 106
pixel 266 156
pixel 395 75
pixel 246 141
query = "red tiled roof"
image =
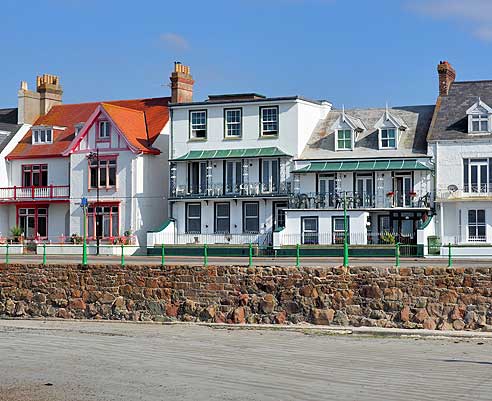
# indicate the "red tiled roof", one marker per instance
pixel 140 120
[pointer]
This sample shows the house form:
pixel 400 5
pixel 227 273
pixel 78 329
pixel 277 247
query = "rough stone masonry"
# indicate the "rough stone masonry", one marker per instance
pixel 430 298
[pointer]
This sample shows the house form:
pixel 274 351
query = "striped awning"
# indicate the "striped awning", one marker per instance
pixel 232 154
pixel 363 165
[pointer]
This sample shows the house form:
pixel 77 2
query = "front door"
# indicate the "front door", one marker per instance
pixel 279 214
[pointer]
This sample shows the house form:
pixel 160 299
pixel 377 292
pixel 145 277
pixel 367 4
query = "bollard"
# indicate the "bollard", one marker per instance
pixel 7 256
pixel 122 255
pixel 163 255
pixel 450 260
pixel 250 254
pixel 84 253
pixel 205 255
pixel 298 255
pixel 397 254
pixel 44 254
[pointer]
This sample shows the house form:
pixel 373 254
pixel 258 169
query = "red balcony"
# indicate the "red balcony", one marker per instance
pixel 22 194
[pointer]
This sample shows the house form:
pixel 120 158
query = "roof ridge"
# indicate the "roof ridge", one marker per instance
pixel 472 81
pixel 111 101
pixel 121 107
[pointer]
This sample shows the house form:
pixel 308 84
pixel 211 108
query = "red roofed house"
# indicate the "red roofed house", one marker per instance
pixel 113 153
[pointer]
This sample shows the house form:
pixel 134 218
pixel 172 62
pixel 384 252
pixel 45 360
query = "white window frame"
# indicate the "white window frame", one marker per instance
pixel 337 133
pixel 42 136
pixel 381 139
pixel 312 235
pixel 188 218
pixel 476 225
pixel 104 130
pixel 270 132
pixel 480 119
pixel 222 218
pixel 246 217
pixel 198 126
pixel 233 126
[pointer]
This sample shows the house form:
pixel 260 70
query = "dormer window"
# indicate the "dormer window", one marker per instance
pixel 42 136
pixel 104 130
pixel 78 128
pixel 388 138
pixel 479 117
pixel 344 139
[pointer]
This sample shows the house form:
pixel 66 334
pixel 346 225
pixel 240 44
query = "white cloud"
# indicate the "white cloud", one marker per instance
pixel 175 41
pixel 475 14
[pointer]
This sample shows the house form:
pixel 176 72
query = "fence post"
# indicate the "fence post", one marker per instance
pixel 44 254
pixel 163 255
pixel 397 254
pixel 298 254
pixel 450 259
pixel 122 255
pixel 7 256
pixel 250 254
pixel 205 255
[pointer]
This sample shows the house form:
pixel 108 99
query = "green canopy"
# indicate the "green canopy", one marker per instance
pixel 363 165
pixel 232 154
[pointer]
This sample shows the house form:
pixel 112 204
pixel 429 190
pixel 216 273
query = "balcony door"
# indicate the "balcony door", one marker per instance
pixel 197 177
pixel 402 186
pixel 270 176
pixel 364 190
pixel 478 175
pixel 327 188
pixel 233 176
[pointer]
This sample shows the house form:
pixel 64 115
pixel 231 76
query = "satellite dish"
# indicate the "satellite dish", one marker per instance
pixel 452 188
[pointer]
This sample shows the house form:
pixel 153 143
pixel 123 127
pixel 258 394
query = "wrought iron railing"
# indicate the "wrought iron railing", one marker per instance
pixel 224 190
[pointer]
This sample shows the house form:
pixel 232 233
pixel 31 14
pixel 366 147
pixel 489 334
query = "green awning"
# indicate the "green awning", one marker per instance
pixel 364 165
pixel 232 154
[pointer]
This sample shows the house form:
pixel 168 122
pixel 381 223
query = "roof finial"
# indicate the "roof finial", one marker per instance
pixel 343 112
pixel 387 111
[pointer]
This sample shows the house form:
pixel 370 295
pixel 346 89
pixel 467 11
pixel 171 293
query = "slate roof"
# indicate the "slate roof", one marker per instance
pixel 412 143
pixel 8 126
pixel 142 131
pixel 451 121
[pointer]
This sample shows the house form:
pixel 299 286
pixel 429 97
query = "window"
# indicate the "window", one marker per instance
pixel 78 128
pixel 197 177
pixel 310 231
pixel 198 124
pixel 338 230
pixel 270 176
pixel 233 123
pixel 480 122
pixel 102 173
pixel 33 222
pixel 388 138
pixel 233 174
pixel 477 175
pixel 251 217
pixel 476 226
pixel 344 139
pixel 222 218
pixel 193 218
pixel 269 121
pixel 42 136
pixel 104 130
pixel 35 175
pixel 103 221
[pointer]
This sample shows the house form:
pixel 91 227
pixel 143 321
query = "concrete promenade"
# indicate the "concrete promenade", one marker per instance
pixel 82 361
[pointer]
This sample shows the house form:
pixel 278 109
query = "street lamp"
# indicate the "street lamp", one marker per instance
pixel 345 236
pixel 95 156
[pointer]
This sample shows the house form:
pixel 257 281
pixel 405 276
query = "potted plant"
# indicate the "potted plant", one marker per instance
pixel 17 234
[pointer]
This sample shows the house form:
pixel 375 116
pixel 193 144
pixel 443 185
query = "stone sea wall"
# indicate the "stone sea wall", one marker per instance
pixel 431 298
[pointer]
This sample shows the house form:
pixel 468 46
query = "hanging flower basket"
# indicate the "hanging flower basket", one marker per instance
pixel 390 194
pixel 412 194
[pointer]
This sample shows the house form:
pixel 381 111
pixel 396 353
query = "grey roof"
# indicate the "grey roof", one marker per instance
pixel 451 119
pixel 259 100
pixel 8 126
pixel 412 143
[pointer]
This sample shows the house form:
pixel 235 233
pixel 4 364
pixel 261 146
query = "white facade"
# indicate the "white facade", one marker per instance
pixel 249 189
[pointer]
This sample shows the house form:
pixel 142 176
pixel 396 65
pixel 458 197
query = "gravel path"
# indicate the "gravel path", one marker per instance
pixel 121 361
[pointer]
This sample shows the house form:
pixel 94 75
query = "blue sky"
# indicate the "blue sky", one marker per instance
pixel 360 53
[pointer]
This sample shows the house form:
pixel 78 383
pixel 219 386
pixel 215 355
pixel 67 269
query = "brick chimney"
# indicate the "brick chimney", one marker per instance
pixel 34 104
pixel 181 84
pixel 447 75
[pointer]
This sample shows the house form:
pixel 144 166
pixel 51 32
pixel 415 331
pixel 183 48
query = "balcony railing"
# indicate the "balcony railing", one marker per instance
pixel 226 191
pixel 452 192
pixel 360 200
pixel 34 193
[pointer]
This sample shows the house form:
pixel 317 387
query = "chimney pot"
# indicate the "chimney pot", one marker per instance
pixel 181 84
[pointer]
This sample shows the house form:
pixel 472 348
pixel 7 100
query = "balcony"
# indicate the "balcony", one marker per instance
pixel 473 192
pixel 225 191
pixel 25 194
pixel 360 200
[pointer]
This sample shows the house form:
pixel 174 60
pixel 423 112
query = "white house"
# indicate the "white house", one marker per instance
pixel 113 153
pixel 375 162
pixel 231 157
pixel 460 141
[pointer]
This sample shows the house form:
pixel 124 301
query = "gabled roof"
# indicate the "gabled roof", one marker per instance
pixel 8 126
pixel 412 143
pixel 153 115
pixel 451 120
pixel 479 104
pixel 395 120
